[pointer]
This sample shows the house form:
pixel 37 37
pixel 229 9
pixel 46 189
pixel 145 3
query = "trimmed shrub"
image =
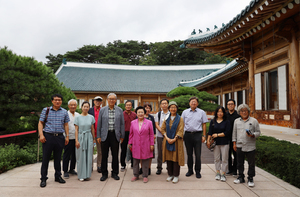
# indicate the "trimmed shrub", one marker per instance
pixel 280 158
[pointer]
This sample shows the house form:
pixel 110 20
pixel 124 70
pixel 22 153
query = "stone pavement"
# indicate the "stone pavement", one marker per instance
pixel 24 180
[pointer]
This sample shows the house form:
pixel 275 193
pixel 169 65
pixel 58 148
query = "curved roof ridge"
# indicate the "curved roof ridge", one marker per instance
pixel 193 83
pixel 142 67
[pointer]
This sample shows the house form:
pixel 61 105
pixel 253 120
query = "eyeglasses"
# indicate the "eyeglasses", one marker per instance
pixel 110 99
pixel 244 111
pixel 230 104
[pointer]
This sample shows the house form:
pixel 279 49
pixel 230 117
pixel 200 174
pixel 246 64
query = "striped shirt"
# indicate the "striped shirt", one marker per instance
pixel 111 119
pixel 56 120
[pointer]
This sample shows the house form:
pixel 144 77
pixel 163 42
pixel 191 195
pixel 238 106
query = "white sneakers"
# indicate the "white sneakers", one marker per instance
pixel 170 178
pixel 223 178
pixel 175 179
pixel 218 177
pixel 250 182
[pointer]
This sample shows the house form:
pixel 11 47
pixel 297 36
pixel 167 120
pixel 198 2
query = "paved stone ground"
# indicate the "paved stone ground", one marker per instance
pixel 25 180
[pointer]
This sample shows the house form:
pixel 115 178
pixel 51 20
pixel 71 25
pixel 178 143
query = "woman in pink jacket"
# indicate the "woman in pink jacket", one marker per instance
pixel 141 142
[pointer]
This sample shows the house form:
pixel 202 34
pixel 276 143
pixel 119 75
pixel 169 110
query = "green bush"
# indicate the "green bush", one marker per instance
pixel 12 155
pixel 280 158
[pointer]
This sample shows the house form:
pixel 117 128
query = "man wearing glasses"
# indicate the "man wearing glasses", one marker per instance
pixel 245 131
pixel 231 116
pixel 110 131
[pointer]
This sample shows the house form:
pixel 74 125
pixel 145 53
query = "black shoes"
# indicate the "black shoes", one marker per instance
pixel 158 172
pixel 59 179
pixel 43 183
pixel 99 169
pixel 73 172
pixel 198 175
pixel 189 173
pixel 115 176
pixel 104 177
pixel 66 175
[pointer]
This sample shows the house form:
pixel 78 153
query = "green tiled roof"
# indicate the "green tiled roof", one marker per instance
pixel 130 79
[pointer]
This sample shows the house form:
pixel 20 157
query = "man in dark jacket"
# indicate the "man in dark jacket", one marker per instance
pixel 231 116
pixel 94 111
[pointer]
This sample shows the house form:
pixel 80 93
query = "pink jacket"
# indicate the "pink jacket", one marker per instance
pixel 141 141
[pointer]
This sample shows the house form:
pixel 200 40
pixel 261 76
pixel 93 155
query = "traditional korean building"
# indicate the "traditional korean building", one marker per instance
pixel 141 84
pixel 264 40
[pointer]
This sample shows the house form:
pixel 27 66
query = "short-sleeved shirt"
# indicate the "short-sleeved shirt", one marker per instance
pixel 111 119
pixel 84 123
pixel 128 118
pixel 222 127
pixel 193 120
pixel 163 116
pixel 56 120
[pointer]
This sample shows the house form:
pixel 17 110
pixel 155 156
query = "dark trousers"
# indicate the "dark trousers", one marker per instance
pixel 124 149
pixel 69 154
pixel 112 143
pixel 193 143
pixel 173 168
pixel 159 152
pixel 232 167
pixel 241 159
pixel 53 144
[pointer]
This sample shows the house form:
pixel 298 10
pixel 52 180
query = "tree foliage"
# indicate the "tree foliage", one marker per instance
pixel 136 53
pixel 206 100
pixel 182 91
pixel 26 86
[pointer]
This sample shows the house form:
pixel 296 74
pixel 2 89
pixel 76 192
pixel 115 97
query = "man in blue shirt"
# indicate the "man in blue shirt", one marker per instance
pixel 194 125
pixel 56 123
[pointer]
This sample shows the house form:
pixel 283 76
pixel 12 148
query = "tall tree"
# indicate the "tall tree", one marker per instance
pixel 26 86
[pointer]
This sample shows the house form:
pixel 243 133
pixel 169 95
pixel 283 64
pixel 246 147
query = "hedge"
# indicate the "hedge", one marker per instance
pixel 12 155
pixel 280 158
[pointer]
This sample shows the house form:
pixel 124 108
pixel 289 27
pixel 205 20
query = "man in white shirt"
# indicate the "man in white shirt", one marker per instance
pixel 69 149
pixel 159 119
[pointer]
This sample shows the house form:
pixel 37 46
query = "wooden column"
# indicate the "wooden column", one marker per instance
pixel 251 85
pixel 221 95
pixel 294 82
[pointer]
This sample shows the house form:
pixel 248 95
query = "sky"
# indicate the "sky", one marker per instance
pixel 36 28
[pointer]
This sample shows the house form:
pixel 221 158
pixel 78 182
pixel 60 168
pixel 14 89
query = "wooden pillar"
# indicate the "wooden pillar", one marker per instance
pixel 140 100
pixel 294 82
pixel 251 85
pixel 221 95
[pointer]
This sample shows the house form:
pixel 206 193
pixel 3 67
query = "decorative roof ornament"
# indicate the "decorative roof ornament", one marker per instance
pixel 182 46
pixel 223 25
pixel 207 29
pixel 215 27
pixel 64 61
pixel 200 31
pixel 193 33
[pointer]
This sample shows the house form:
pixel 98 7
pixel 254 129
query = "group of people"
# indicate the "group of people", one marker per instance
pixel 234 133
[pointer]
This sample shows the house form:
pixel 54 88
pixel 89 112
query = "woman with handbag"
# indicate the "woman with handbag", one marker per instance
pixel 219 130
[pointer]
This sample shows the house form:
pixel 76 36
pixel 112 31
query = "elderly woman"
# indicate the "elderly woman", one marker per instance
pixel 173 153
pixel 141 142
pixel 84 142
pixel 148 108
pixel 219 130
pixel 245 131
